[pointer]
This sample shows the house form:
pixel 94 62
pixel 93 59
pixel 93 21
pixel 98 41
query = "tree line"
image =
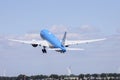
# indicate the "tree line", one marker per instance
pixel 103 76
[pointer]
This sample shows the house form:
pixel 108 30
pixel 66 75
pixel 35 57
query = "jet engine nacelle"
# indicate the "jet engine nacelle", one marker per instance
pixel 34 45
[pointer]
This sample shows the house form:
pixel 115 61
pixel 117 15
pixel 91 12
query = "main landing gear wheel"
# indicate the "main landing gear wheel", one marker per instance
pixel 44 51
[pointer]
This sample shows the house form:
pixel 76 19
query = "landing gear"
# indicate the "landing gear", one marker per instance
pixel 44 50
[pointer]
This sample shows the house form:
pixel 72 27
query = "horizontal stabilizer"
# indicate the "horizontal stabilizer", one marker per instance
pixel 75 49
pixel 67 49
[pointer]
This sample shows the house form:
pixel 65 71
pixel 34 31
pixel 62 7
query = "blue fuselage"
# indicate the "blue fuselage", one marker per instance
pixel 54 41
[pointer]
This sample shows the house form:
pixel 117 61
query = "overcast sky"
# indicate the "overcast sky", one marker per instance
pixel 82 19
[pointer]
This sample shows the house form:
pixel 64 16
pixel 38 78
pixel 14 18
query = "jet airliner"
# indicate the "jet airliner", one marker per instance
pixel 52 42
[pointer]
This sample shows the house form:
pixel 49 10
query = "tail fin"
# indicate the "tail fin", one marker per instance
pixel 64 38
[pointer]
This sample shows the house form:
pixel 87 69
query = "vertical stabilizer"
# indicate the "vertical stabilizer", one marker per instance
pixel 64 38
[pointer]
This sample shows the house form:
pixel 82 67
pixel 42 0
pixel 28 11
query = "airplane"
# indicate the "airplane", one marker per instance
pixel 52 42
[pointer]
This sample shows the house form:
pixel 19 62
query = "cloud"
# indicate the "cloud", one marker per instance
pixel 88 29
pixel 5 43
pixel 32 36
pixel 82 32
pixel 59 29
pixel 4 39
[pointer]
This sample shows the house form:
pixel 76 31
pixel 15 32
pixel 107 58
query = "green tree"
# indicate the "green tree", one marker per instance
pixel 95 76
pixel 22 77
pixel 81 76
pixel 54 76
pixel 87 76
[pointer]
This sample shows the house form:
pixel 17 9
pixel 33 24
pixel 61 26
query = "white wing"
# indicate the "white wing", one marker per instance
pixel 40 43
pixel 68 43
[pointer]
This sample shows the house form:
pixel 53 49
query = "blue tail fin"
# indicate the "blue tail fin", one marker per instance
pixel 64 38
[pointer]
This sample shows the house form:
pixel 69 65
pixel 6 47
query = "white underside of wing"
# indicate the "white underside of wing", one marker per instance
pixel 67 42
pixel 75 49
pixel 40 43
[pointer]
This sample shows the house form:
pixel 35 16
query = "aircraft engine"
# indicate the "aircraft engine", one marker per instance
pixel 34 45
